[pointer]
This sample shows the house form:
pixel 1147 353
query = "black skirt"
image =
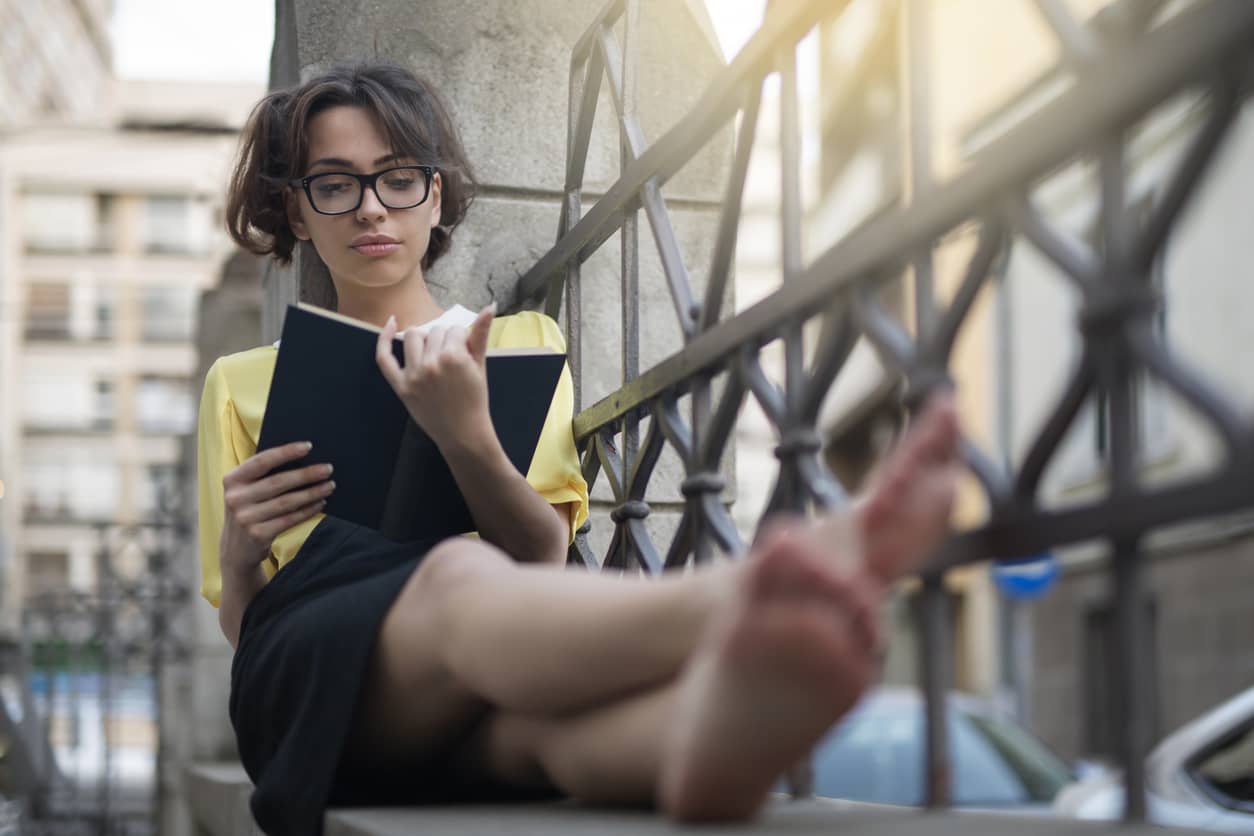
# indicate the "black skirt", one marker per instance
pixel 304 646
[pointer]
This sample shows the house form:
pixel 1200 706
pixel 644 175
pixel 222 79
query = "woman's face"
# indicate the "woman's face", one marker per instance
pixel 373 246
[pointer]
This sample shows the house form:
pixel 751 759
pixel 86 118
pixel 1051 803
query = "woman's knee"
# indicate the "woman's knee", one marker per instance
pixel 450 574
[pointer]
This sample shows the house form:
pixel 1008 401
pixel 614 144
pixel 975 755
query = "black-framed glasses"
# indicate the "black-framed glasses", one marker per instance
pixel 338 192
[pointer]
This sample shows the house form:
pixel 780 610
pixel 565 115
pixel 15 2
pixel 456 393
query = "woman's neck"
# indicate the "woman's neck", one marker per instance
pixel 411 303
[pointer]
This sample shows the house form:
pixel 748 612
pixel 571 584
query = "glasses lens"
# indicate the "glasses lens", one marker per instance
pixel 334 193
pixel 401 188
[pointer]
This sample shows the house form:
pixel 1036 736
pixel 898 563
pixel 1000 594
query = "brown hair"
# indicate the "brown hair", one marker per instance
pixel 275 145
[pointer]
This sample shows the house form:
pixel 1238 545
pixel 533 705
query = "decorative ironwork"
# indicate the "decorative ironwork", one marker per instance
pixel 89 675
pixel 1124 65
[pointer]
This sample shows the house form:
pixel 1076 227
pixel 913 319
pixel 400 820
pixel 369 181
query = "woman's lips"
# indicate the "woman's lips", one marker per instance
pixel 380 249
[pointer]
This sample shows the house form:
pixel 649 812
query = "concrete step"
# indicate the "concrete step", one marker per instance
pixel 218 797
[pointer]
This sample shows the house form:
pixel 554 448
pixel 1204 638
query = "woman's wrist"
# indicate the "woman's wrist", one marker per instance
pixel 246 578
pixel 474 439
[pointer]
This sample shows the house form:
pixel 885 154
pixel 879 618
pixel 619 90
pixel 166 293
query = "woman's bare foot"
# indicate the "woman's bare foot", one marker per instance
pixel 797 648
pixel 906 512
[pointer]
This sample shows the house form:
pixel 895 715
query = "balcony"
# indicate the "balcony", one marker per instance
pixel 98 425
pixel 63 514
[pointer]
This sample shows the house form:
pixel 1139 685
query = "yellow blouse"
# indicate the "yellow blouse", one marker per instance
pixel 230 422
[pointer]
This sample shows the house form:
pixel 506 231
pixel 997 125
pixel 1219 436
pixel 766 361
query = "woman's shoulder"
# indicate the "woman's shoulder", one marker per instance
pixel 245 370
pixel 526 329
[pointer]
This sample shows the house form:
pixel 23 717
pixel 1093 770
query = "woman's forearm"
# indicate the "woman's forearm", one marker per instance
pixel 506 509
pixel 238 591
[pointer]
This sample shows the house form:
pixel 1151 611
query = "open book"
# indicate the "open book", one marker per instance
pixel 389 475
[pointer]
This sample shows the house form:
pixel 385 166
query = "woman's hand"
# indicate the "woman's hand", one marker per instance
pixel 444 382
pixel 259 507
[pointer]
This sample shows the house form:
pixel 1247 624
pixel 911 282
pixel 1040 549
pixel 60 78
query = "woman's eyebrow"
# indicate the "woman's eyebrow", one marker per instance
pixel 343 163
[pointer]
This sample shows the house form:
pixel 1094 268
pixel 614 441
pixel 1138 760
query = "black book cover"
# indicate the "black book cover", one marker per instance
pixel 389 475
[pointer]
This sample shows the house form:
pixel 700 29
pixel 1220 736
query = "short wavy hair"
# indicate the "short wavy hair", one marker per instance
pixel 275 145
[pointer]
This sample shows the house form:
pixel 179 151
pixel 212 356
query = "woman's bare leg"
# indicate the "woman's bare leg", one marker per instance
pixel 473 630
pixel 790 655
pixel 616 753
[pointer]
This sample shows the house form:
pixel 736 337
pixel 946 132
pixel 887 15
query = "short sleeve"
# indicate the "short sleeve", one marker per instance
pixel 215 457
pixel 554 473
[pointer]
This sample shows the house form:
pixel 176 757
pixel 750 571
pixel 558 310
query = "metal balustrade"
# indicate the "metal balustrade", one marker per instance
pixel 1123 68
pixel 90 672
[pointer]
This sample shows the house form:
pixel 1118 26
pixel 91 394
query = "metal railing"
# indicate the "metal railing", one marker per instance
pixel 1123 69
pixel 89 675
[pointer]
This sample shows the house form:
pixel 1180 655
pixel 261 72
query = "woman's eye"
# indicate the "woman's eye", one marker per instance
pixel 330 188
pixel 400 182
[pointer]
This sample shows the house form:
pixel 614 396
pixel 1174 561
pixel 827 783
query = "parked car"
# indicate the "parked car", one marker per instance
pixel 875 754
pixel 1200 776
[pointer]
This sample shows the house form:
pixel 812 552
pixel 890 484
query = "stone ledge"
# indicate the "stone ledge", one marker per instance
pixel 787 818
pixel 218 797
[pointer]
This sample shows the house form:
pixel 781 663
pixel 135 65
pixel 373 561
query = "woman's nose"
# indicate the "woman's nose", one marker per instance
pixel 371 207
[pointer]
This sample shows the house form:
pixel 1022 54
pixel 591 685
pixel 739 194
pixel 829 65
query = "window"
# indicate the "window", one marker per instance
pixel 54 401
pixel 159 485
pixel 175 224
pixel 168 314
pixel 165 405
pixel 875 754
pixel 47 572
pixel 47 311
pixel 1226 772
pixel 102 320
pixel 60 488
pixel 58 222
pixel 61 311
pixel 104 405
pixel 860 163
pixel 105 239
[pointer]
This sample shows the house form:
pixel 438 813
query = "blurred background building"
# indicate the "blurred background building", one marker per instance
pixel 111 225
pixel 1049 661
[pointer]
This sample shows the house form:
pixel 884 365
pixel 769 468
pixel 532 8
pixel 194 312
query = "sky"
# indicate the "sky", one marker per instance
pixel 229 40
pixel 193 40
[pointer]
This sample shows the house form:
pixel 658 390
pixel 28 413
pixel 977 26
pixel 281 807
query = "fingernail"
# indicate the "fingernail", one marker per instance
pixel 492 307
pixel 308 446
pixel 391 322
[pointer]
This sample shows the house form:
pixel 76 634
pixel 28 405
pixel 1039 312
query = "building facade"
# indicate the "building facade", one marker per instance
pixel 111 230
pixel 57 61
pixel 1200 576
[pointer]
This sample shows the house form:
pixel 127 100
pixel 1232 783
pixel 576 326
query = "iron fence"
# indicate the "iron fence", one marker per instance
pixel 84 688
pixel 1132 59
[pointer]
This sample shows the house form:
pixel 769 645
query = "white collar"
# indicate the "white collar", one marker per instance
pixel 455 316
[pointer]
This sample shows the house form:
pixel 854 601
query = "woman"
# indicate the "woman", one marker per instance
pixel 368 672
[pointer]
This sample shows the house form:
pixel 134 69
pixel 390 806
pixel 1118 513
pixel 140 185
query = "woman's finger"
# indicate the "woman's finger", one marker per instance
pixel 437 338
pixel 455 342
pixel 267 531
pixel 384 357
pixel 283 504
pixel 415 351
pixel 259 464
pixel 480 330
pixel 281 483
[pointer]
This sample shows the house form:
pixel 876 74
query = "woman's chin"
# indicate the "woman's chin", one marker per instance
pixel 378 278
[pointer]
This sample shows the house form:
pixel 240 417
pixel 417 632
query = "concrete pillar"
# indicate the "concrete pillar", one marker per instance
pixel 194 695
pixel 503 67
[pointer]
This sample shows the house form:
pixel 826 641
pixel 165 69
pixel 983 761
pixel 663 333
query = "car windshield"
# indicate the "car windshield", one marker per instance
pixel 876 755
